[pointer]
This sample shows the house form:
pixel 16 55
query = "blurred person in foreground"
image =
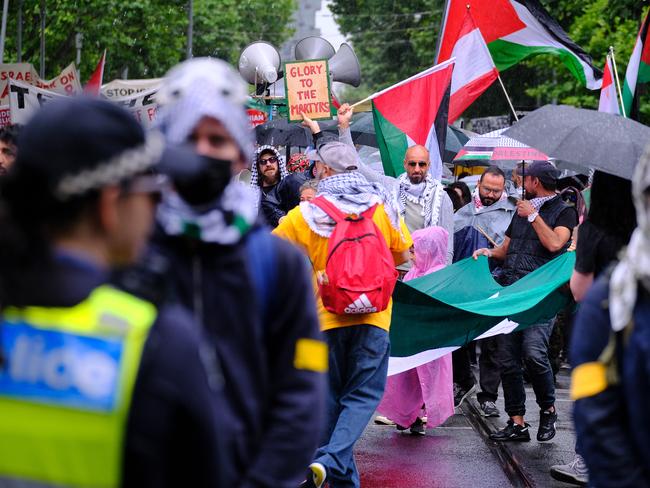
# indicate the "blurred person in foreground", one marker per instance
pixel 8 142
pixel 98 386
pixel 250 290
pixel 608 343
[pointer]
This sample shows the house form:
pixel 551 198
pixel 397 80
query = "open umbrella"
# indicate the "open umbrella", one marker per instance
pixel 495 148
pixel 584 138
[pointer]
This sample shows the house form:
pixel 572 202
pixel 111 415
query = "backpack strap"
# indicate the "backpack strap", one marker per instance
pixel 329 208
pixel 261 253
pixel 368 214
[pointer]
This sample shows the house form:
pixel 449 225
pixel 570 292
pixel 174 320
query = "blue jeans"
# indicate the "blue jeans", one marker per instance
pixel 530 346
pixel 358 363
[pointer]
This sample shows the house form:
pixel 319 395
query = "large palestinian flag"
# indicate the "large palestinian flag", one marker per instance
pixel 439 312
pixel 515 30
pixel 413 112
pixel 638 69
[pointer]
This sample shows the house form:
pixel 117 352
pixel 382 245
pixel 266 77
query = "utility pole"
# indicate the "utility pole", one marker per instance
pixel 78 44
pixel 19 34
pixel 190 28
pixel 3 29
pixel 42 70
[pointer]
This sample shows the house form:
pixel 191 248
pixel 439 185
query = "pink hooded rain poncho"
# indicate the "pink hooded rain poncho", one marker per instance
pixel 428 387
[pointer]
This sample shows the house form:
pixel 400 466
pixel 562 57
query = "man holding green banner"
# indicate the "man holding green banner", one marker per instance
pixel 539 232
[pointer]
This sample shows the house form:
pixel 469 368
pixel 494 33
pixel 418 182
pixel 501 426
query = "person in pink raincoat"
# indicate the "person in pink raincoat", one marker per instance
pixel 426 391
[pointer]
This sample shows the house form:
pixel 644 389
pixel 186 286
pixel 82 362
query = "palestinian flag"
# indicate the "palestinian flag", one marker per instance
pixel 515 30
pixel 441 311
pixel 94 84
pixel 638 69
pixel 608 99
pixel 412 112
pixel 474 71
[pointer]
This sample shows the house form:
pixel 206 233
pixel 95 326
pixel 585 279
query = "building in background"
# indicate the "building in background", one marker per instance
pixel 304 23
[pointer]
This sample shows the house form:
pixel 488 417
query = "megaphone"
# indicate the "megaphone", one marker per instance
pixel 344 66
pixel 313 48
pixel 259 63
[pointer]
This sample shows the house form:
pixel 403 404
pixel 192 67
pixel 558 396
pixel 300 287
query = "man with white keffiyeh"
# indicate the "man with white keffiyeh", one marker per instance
pixel 358 343
pixel 611 359
pixel 423 200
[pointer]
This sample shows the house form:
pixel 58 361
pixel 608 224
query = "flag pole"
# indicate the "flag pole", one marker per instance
pixel 503 87
pixel 618 83
pixel 403 82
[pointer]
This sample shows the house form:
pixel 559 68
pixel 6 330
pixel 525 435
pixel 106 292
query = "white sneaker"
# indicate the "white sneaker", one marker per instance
pixel 575 472
pixel 381 420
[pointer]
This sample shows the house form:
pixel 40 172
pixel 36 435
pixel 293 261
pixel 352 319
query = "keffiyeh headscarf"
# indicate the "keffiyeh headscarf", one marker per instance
pixel 427 194
pixel 634 266
pixel 256 181
pixel 192 90
pixel 352 193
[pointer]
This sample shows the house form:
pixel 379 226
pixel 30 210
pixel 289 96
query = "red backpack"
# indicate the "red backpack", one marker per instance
pixel 360 272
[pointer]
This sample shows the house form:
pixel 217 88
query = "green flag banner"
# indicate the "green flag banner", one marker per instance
pixel 453 306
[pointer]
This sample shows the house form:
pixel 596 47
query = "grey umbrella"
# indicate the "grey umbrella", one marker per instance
pixel 584 138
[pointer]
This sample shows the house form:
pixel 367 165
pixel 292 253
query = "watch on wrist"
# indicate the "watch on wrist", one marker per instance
pixel 532 217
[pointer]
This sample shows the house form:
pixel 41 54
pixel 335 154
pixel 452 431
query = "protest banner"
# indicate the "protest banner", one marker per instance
pixel 143 106
pixel 307 86
pixel 126 88
pixel 257 117
pixel 26 99
pixel 5 115
pixel 67 83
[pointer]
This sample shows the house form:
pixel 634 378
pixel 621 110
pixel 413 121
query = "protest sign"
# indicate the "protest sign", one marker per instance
pixel 143 106
pixel 67 83
pixel 126 88
pixel 307 87
pixel 257 117
pixel 5 115
pixel 26 99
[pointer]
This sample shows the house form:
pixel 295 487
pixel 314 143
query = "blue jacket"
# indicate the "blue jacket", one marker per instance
pixel 611 422
pixel 255 306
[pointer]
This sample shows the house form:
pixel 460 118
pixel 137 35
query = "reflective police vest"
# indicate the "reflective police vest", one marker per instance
pixel 65 388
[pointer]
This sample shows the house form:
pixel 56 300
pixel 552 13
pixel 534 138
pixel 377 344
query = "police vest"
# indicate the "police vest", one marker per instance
pixel 65 388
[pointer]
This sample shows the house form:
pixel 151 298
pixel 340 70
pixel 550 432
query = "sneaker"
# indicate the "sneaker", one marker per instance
pixel 418 427
pixel 489 409
pixel 575 472
pixel 512 432
pixel 381 420
pixel 461 393
pixel 546 430
pixel 316 475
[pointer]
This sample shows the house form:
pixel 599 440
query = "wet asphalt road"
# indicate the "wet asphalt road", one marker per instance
pixel 456 454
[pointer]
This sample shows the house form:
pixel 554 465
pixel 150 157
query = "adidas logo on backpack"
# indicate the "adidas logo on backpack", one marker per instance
pixel 361 305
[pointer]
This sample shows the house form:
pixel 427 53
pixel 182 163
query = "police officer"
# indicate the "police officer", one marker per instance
pixel 98 387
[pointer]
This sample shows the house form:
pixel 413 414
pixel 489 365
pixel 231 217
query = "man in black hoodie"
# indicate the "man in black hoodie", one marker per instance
pixel 250 290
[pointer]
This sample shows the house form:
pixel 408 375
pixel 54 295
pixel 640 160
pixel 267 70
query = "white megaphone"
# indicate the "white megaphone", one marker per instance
pixel 344 66
pixel 313 48
pixel 259 63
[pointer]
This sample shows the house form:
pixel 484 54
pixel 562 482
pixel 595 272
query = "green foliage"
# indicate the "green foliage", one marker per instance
pixel 395 40
pixel 145 36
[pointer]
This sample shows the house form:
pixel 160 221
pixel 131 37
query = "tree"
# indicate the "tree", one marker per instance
pixel 395 40
pixel 145 36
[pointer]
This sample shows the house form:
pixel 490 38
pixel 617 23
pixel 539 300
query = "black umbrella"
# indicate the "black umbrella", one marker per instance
pixel 280 132
pixel 584 138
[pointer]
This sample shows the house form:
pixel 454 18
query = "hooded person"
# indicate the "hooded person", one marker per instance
pixel 425 391
pixel 249 290
pixel 611 359
pixel 278 190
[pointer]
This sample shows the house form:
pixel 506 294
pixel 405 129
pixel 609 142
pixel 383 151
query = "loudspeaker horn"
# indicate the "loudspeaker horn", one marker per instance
pixel 259 63
pixel 344 66
pixel 313 48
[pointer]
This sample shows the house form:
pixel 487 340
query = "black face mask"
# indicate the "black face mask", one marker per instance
pixel 208 185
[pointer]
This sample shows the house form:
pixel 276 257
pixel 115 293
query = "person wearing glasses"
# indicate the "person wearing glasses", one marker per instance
pixel 481 223
pixel 278 190
pixel 424 201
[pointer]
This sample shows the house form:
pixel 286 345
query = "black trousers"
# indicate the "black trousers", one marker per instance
pixel 463 376
pixel 490 370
